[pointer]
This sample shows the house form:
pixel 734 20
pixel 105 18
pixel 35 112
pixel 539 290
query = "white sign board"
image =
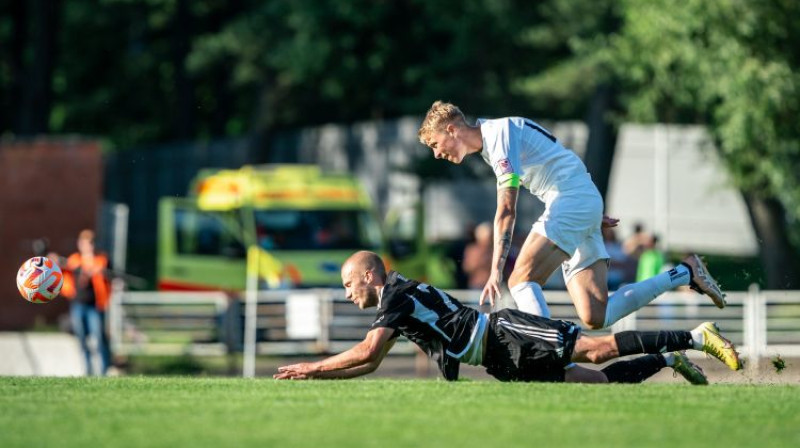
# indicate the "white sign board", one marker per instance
pixel 302 316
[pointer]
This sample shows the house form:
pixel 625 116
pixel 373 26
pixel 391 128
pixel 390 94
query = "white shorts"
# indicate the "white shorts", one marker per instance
pixel 572 221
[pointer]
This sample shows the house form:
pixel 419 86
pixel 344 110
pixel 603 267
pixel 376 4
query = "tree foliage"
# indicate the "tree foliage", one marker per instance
pixel 733 66
pixel 148 71
pixel 730 65
pixel 571 36
pixel 321 61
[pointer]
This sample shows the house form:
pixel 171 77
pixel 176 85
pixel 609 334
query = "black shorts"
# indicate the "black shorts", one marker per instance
pixel 524 347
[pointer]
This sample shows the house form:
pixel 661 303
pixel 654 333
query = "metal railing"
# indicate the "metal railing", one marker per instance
pixel 321 321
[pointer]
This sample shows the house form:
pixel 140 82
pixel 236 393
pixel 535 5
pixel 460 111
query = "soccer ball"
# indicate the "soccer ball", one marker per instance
pixel 39 280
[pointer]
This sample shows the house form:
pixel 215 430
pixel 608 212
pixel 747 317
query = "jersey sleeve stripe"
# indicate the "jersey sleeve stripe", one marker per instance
pixel 547 135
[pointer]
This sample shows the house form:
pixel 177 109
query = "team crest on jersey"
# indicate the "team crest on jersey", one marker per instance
pixel 503 167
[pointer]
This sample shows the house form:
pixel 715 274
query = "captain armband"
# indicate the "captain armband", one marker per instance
pixel 508 180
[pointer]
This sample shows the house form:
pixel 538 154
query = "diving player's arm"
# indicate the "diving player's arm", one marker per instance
pixel 362 359
pixel 363 369
pixel 507 193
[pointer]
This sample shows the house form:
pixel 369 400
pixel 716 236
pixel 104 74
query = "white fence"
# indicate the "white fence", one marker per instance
pixel 319 321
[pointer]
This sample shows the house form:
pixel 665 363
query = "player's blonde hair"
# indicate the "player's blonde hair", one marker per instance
pixel 438 117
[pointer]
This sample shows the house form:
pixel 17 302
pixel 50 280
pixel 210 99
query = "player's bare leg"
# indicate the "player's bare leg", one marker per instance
pixel 601 349
pixel 588 288
pixel 595 349
pixel 589 292
pixel 537 260
pixel 578 374
pixel 630 371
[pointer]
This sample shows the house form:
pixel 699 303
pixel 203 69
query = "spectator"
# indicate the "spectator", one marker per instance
pixel 621 268
pixel 455 254
pixel 651 261
pixel 634 245
pixel 478 257
pixel 40 247
pixel 87 287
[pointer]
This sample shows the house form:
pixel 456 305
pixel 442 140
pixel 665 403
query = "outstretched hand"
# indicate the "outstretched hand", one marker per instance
pixel 491 290
pixel 609 221
pixel 302 371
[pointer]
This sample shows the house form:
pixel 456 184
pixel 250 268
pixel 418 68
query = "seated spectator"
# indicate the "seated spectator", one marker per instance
pixel 477 262
pixel 634 245
pixel 621 267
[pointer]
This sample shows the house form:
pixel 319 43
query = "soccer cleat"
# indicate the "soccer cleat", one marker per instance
pixel 717 346
pixel 687 369
pixel 702 281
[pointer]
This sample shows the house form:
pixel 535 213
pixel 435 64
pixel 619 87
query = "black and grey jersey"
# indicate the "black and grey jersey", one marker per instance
pixel 440 325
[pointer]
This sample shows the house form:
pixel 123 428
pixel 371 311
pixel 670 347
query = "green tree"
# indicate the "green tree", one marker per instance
pixel 576 83
pixel 142 71
pixel 313 62
pixel 112 68
pixel 28 54
pixel 734 66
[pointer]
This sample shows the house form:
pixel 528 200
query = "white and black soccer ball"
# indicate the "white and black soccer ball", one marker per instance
pixel 39 280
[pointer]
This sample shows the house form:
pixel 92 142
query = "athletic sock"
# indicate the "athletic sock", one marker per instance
pixel 697 339
pixel 631 297
pixel 634 370
pixel 669 359
pixel 632 342
pixel 529 298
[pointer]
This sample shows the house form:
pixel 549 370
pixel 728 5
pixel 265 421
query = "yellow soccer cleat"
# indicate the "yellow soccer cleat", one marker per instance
pixel 717 346
pixel 689 370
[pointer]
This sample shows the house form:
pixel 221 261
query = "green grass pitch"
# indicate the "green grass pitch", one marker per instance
pixel 222 412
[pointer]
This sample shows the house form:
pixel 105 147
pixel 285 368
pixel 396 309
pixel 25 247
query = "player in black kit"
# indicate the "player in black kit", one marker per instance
pixel 510 344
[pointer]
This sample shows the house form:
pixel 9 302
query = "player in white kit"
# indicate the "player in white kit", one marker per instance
pixel 521 152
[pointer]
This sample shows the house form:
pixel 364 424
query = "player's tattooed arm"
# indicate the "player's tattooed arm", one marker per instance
pixel 504 225
pixel 503 230
pixel 505 247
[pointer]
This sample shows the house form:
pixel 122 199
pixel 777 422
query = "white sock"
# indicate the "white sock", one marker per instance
pixel 631 297
pixel 530 299
pixel 697 339
pixel 669 358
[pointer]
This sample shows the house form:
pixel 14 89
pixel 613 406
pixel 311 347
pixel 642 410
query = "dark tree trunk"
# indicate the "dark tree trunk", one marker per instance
pixel 224 103
pixel 36 92
pixel 780 260
pixel 19 21
pixel 602 140
pixel 184 87
pixel 225 100
pixel 260 133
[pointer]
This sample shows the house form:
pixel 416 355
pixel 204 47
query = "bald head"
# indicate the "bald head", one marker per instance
pixel 363 276
pixel 483 233
pixel 365 260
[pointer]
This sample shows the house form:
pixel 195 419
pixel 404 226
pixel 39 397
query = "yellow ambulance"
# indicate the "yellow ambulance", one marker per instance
pixel 304 223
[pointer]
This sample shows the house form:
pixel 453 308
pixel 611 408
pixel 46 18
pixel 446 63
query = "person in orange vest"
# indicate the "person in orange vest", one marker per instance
pixel 87 287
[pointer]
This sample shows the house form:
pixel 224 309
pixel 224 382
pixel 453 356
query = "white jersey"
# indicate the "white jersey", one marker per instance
pixel 516 145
